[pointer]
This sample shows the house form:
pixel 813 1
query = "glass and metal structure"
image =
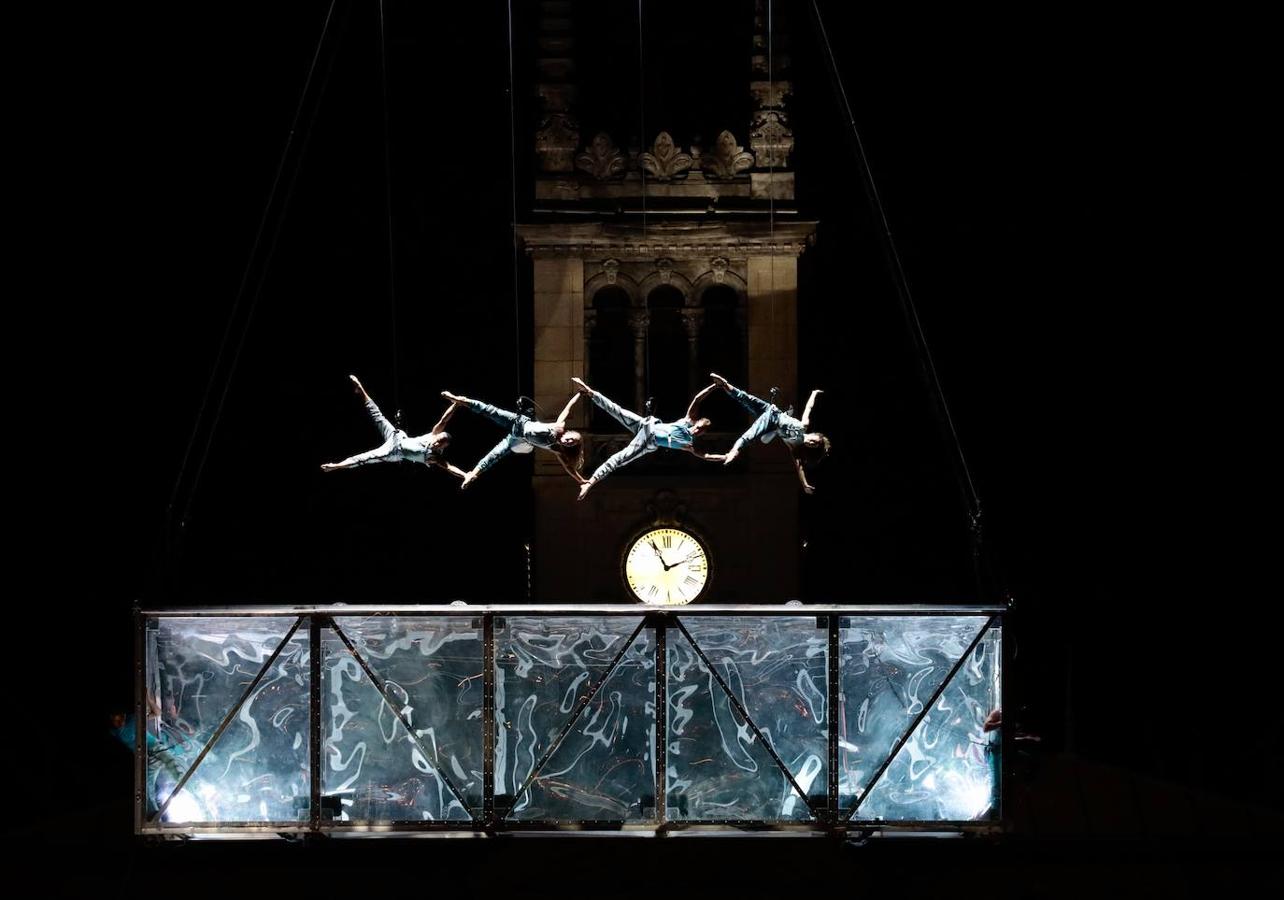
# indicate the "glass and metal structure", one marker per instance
pixel 487 719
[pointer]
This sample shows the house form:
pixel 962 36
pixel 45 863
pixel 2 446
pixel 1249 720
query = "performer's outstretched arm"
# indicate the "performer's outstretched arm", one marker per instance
pixel 453 469
pixel 441 423
pixel 802 478
pixel 566 410
pixel 694 408
pixel 811 402
pixel 570 470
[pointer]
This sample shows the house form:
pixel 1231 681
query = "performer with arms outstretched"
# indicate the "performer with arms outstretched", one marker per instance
pixel 649 433
pixel 397 446
pixel 524 435
pixel 805 447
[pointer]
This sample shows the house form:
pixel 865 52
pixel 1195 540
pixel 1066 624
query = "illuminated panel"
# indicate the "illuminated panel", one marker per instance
pixel 717 768
pixel 603 770
pixel 257 771
pixel 431 670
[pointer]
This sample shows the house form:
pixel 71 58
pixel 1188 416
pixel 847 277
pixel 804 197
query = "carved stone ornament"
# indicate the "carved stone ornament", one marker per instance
pixel 665 269
pixel 692 321
pixel 772 142
pixel 728 158
pixel 612 268
pixel 639 322
pixel 555 142
pixel 719 266
pixel 666 509
pixel 602 159
pixel 665 161
pixel 770 94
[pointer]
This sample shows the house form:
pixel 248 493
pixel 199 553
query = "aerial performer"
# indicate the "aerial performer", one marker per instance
pixel 524 435
pixel 649 433
pixel 805 447
pixel 397 446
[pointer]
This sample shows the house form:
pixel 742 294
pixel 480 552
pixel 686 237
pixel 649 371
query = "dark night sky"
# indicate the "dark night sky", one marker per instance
pixel 1069 193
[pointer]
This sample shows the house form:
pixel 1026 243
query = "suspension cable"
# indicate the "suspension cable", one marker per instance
pixel 242 288
pixel 387 194
pixel 512 140
pixel 967 487
pixel 642 171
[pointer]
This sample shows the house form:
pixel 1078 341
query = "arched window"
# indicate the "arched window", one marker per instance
pixel 667 357
pixel 611 352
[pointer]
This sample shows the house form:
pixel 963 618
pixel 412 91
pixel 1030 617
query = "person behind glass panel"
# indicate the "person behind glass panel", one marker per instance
pixel 524 435
pixel 649 433
pixel 397 446
pixel 805 447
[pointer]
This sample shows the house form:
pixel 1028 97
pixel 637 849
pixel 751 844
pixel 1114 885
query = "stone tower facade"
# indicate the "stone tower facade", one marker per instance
pixel 652 267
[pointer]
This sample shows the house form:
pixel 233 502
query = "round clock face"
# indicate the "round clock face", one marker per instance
pixel 666 567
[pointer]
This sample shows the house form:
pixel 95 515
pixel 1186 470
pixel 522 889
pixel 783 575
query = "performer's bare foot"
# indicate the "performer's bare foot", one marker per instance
pixel 329 467
pixel 453 398
pixel 581 386
pixel 468 479
pixel 730 457
pixel 584 489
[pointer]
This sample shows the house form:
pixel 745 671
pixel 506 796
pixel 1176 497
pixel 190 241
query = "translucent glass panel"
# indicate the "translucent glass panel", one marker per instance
pixel 431 670
pixel 948 770
pixel 603 770
pixel 888 667
pixel 198 669
pixel 717 769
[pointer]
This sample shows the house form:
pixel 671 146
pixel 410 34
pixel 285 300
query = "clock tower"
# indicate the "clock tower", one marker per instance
pixel 654 264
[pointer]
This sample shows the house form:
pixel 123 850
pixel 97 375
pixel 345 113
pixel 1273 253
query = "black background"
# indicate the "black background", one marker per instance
pixel 1073 194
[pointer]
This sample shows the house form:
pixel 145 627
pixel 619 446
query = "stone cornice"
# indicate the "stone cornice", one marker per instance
pixel 676 240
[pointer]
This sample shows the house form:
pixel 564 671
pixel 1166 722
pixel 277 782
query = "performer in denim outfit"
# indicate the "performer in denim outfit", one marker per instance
pixel 649 433
pixel 397 446
pixel 806 447
pixel 524 435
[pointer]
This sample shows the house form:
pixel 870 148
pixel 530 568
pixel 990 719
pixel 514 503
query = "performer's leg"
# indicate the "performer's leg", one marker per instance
pixel 755 405
pixel 763 427
pixel 499 416
pixel 637 448
pixel 498 452
pixel 386 428
pixel 379 454
pixel 630 420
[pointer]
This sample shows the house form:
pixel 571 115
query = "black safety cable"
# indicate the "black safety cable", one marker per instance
pixel 244 287
pixel 512 142
pixel 387 193
pixel 967 488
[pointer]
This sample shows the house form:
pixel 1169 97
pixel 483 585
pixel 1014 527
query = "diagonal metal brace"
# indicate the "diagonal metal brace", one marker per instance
pixel 227 720
pixel 575 714
pixel 383 692
pixel 927 707
pixel 744 714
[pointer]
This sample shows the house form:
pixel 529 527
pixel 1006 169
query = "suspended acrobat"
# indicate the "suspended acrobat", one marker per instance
pixel 397 446
pixel 806 447
pixel 524 435
pixel 649 433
